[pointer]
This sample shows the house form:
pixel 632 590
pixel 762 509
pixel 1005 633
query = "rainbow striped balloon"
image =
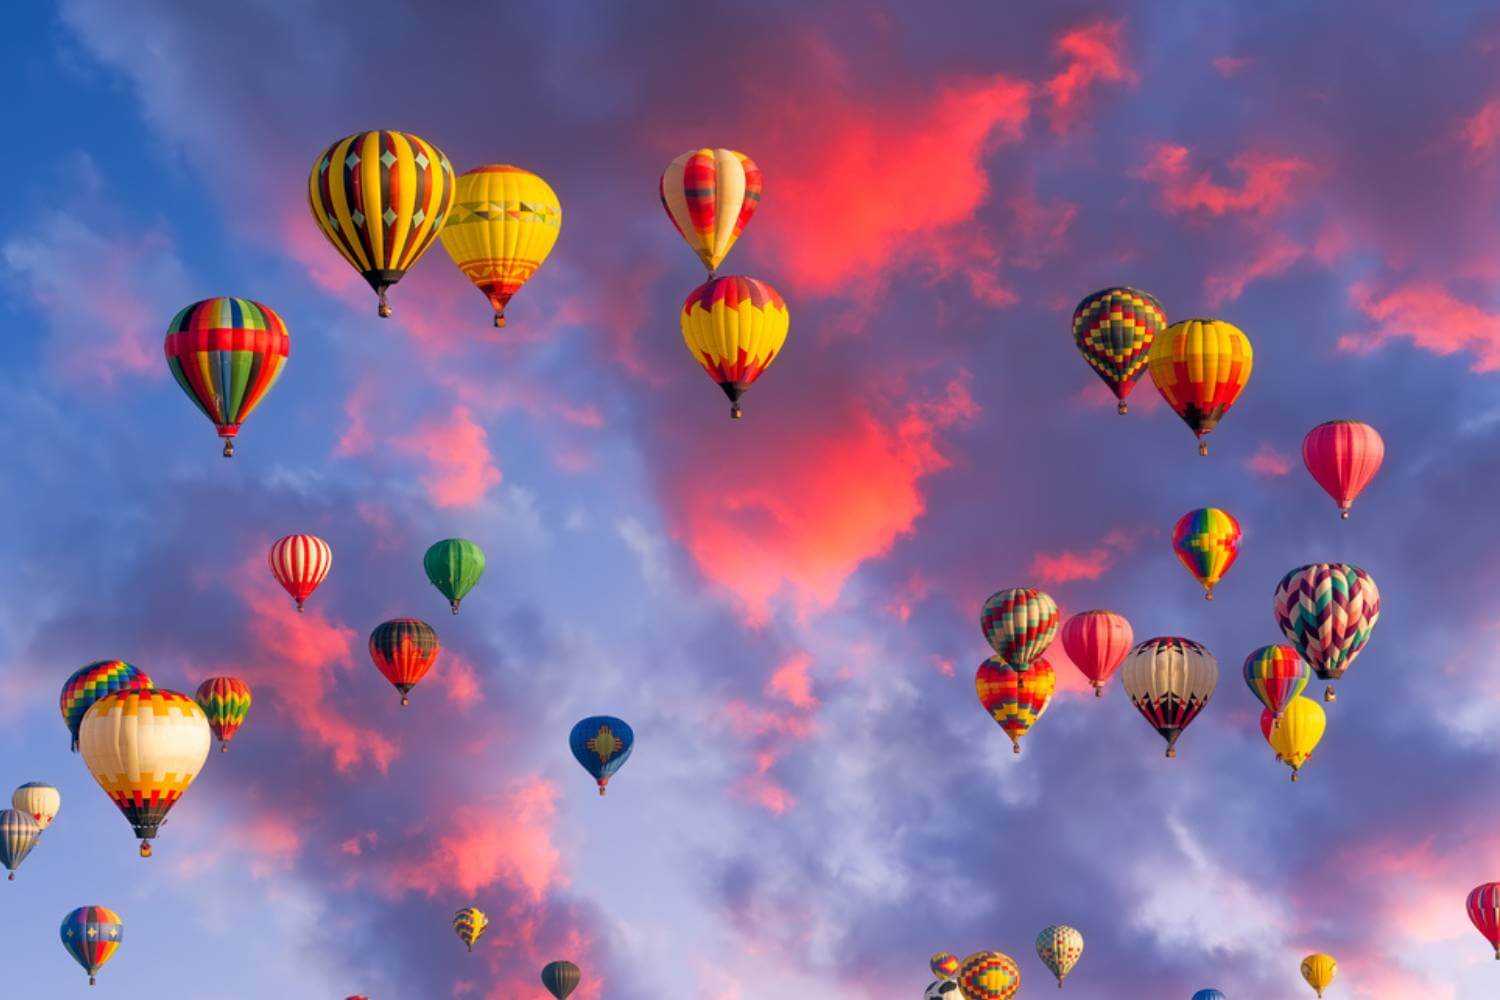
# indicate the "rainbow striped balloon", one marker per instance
pixel 92 935
pixel 226 353
pixel 89 684
pixel 1207 541
pixel 1276 675
pixel 226 702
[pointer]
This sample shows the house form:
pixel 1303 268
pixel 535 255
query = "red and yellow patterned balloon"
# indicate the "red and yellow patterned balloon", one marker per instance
pixel 989 975
pixel 1015 696
pixel 226 703
pixel 226 354
pixel 710 195
pixel 1114 330
pixel 944 965
pixel 1200 366
pixel 735 328
pixel 1207 541
pixel 404 649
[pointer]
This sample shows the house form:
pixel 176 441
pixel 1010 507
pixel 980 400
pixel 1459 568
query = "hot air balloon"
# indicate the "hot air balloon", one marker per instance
pixel 560 978
pixel 89 684
pixel 1097 642
pixel 1207 541
pixel 18 834
pixel 92 935
pixel 943 989
pixel 145 748
pixel 1059 947
pixel 710 194
pixel 1276 675
pixel 1484 911
pixel 1169 680
pixel 453 566
pixel 470 924
pixel 1296 733
pixel 404 649
pixel 1019 624
pixel 1014 696
pixel 1114 329
pixel 735 328
pixel 944 965
pixel 381 198
pixel 602 744
pixel 1327 611
pixel 1319 970
pixel 1343 456
pixel 1200 366
pixel 504 223
pixel 226 354
pixel 226 702
pixel 1209 995
pixel 39 801
pixel 989 975
pixel 300 563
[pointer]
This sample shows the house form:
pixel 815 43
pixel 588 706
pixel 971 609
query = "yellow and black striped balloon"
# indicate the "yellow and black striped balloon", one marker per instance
pixel 381 198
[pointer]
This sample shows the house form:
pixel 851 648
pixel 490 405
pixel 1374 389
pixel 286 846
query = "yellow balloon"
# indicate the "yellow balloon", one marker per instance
pixel 504 223
pixel 734 327
pixel 1295 735
pixel 145 748
pixel 470 924
pixel 1319 969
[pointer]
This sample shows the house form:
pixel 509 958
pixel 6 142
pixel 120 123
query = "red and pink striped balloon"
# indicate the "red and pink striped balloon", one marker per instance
pixel 1343 456
pixel 1097 642
pixel 1484 911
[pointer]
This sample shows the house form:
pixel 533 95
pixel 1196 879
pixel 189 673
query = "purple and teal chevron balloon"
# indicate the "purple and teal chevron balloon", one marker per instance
pixel 1327 611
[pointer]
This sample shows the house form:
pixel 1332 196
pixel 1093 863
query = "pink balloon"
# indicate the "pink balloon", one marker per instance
pixel 1343 456
pixel 1097 641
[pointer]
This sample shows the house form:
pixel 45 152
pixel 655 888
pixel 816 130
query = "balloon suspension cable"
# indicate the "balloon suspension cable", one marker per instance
pixel 145 848
pixel 1328 694
pixel 385 307
pixel 229 447
pixel 1203 448
pixel 1121 408
pixel 734 411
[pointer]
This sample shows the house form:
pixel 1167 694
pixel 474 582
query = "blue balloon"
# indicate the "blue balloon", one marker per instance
pixel 602 744
pixel 1209 995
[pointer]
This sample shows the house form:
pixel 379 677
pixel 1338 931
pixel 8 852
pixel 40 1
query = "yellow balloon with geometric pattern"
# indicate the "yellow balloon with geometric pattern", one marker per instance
pixel 735 328
pixel 381 198
pixel 504 223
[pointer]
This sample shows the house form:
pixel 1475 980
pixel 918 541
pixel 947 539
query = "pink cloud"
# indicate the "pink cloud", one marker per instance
pixel 1269 462
pixel 1064 567
pixel 1431 317
pixel 461 469
pixel 1274 255
pixel 1230 66
pixel 791 683
pixel 1267 182
pixel 1481 131
pixel 1095 53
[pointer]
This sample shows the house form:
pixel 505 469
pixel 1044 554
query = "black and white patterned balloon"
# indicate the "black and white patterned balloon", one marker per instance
pixel 943 989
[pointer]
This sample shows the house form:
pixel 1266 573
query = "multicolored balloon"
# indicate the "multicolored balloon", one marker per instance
pixel 92 935
pixel 1019 624
pixel 1114 329
pixel 1296 733
pixel 504 223
pixel 38 800
pixel 381 198
pixel 560 978
pixel 300 563
pixel 1343 456
pixel 710 195
pixel 1169 680
pixel 1097 642
pixel 602 744
pixel 1209 995
pixel 470 924
pixel 1484 912
pixel 1319 969
pixel 89 684
pixel 1015 696
pixel 453 566
pixel 1059 947
pixel 226 702
pixel 144 748
pixel 226 353
pixel 1276 675
pixel 989 975
pixel 1200 367
pixel 735 328
pixel 18 835
pixel 943 989
pixel 404 649
pixel 1207 542
pixel 1327 611
pixel 944 965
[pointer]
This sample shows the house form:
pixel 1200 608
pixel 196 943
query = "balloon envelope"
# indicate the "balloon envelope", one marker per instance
pixel 1295 734
pixel 735 328
pixel 300 563
pixel 470 924
pixel 1209 995
pixel 710 195
pixel 1327 611
pixel 1483 906
pixel 1169 680
pixel 1097 642
pixel 226 354
pixel 1276 675
pixel 453 566
pixel 1319 969
pixel 38 800
pixel 89 684
pixel 1207 542
pixel 504 223
pixel 1019 623
pixel 18 834
pixel 1200 367
pixel 602 744
pixel 1059 947
pixel 92 935
pixel 225 702
pixel 1343 456
pixel 1114 329
pixel 944 965
pixel 989 975
pixel 561 978
pixel 1015 697
pixel 404 649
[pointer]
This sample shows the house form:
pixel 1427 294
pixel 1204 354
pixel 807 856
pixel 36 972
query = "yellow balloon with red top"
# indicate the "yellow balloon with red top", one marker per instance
pixel 735 328
pixel 1200 366
pixel 504 223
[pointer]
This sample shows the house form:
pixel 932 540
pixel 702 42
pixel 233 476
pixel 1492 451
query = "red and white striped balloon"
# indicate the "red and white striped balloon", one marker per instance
pixel 300 563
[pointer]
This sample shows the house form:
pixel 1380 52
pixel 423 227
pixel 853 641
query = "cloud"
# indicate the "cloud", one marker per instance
pixel 1095 53
pixel 1268 182
pixel 1481 131
pixel 1269 462
pixel 460 467
pixel 1430 316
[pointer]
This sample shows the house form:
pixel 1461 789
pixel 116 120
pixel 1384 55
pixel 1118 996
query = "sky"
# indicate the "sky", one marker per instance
pixel 784 607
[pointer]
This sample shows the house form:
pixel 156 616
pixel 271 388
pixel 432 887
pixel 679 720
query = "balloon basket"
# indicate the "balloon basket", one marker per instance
pixel 1121 408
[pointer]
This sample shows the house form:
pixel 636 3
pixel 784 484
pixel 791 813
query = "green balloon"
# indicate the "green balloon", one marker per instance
pixel 454 565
